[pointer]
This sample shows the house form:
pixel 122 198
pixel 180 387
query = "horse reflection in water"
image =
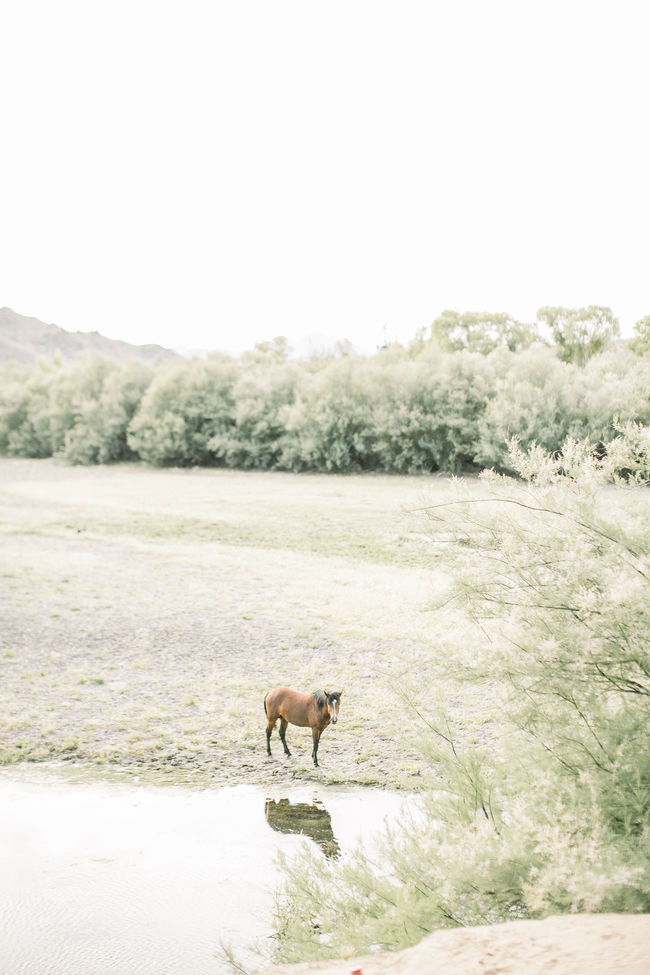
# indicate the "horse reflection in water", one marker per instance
pixel 313 821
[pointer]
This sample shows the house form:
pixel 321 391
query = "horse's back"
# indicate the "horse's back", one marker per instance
pixel 290 705
pixel 275 697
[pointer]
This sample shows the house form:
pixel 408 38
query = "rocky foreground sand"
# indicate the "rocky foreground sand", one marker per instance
pixel 593 944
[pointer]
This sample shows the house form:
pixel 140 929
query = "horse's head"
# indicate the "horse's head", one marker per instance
pixel 333 704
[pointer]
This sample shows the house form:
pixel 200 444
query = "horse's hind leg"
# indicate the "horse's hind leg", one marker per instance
pixel 268 739
pixel 283 728
pixel 270 725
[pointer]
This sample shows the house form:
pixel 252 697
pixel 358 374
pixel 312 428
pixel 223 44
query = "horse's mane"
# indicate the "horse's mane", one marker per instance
pixel 321 698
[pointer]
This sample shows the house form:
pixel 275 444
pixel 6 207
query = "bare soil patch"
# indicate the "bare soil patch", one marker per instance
pixel 146 613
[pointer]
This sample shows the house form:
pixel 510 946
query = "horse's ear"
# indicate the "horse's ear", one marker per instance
pixel 326 693
pixel 340 692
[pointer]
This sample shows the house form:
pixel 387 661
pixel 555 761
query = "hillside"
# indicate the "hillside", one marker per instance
pixel 24 340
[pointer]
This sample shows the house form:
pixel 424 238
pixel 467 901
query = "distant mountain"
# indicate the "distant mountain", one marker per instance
pixel 25 340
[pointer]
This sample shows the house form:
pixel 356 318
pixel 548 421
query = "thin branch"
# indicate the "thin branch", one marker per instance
pixel 570 699
pixel 623 684
pixel 541 510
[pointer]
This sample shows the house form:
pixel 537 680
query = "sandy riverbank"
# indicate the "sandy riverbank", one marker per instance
pixel 587 944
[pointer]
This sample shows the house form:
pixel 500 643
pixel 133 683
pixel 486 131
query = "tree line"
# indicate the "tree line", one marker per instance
pixel 450 401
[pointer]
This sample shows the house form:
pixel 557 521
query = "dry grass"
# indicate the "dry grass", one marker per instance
pixel 146 613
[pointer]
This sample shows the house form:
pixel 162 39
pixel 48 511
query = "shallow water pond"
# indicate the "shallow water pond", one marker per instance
pixel 119 877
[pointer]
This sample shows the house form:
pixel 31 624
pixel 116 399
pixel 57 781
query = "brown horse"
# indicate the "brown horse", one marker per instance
pixel 313 711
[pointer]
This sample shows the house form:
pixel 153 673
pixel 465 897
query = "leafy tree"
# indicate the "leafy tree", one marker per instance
pixel 640 343
pixel 24 420
pixel 534 397
pixel 329 427
pixel 99 433
pixel 543 805
pixel 542 400
pixel 406 423
pixel 579 333
pixel 263 395
pixel 40 408
pixel 72 387
pixel 273 350
pixel 481 332
pixel 184 408
pixel 428 411
pixel 616 389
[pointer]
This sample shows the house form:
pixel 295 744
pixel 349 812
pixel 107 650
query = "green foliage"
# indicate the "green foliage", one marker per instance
pixel 329 425
pixel 615 389
pixel 640 343
pixel 542 400
pixel 99 433
pixel 535 397
pixel 481 332
pixel 541 804
pixel 429 413
pixel 263 395
pixel 406 411
pixel 276 350
pixel 79 410
pixel 580 333
pixel 186 406
pixel 24 422
pixel 389 413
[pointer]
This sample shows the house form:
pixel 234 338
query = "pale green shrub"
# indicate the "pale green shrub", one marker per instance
pixel 540 801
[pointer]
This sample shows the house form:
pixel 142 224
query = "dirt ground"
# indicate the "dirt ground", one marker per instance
pixel 587 944
pixel 145 614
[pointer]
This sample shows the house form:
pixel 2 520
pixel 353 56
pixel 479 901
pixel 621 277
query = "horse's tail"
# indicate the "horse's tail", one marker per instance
pixel 265 711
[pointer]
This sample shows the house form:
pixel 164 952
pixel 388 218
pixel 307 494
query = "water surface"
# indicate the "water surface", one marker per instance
pixel 104 877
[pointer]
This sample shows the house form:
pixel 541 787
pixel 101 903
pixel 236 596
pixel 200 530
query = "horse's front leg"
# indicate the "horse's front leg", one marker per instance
pixel 315 733
pixel 283 728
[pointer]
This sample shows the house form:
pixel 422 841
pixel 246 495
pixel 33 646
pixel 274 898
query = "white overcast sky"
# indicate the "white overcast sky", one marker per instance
pixel 213 174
